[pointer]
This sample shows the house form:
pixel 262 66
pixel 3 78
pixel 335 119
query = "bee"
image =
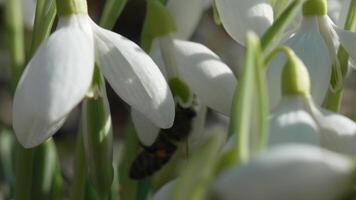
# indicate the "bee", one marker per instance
pixel 154 157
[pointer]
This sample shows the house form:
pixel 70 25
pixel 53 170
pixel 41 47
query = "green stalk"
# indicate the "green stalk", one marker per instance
pixel 45 158
pixel 333 98
pixel 280 24
pixel 24 172
pixel 262 100
pixel 241 107
pixel 112 11
pixel 78 187
pixel 15 34
pixel 97 137
pixel 43 23
pixel 130 146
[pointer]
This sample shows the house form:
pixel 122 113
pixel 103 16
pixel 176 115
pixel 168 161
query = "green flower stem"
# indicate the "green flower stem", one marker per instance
pixel 262 101
pixel 24 173
pixel 15 35
pixel 144 189
pixel 43 23
pixel 280 24
pixel 333 98
pixel 130 146
pixel 7 142
pixel 241 107
pixel 97 137
pixel 79 180
pixel 112 11
pixel 45 166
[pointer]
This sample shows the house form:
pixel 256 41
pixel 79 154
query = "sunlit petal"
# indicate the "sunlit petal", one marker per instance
pixel 207 76
pixel 294 172
pixel 134 76
pixel 310 47
pixel 146 131
pixel 54 82
pixel 240 16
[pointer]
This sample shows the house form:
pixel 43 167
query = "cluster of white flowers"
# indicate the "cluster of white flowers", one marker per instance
pixel 308 146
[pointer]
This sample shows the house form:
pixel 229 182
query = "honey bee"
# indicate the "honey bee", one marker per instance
pixel 154 157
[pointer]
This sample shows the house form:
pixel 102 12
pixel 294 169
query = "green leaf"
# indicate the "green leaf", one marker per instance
pixel 112 11
pixel 45 161
pixel 158 22
pixel 242 102
pixel 273 34
pixel 97 137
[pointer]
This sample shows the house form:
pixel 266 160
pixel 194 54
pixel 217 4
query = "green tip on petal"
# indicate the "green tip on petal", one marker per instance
pixel 179 89
pixel 315 8
pixel 295 77
pixel 71 7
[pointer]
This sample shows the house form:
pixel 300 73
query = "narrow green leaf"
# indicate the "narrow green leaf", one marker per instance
pixel 15 38
pixel 158 22
pixel 98 141
pixel 273 34
pixel 45 160
pixel 128 186
pixel 112 11
pixel 242 102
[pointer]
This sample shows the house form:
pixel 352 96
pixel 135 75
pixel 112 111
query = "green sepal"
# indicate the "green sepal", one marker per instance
pixel 158 22
pixel 71 7
pixel 295 77
pixel 180 90
pixel 315 8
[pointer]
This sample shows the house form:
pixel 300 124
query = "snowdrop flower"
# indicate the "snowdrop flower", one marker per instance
pixel 194 70
pixel 317 37
pixel 294 172
pixel 297 119
pixel 60 73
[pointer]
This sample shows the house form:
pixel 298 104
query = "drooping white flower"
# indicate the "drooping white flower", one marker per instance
pixel 296 119
pixel 192 65
pixel 200 69
pixel 59 76
pixel 294 172
pixel 317 37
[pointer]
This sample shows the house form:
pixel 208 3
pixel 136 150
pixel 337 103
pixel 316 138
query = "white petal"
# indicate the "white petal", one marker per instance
pixel 337 10
pixel 308 44
pixel 207 76
pixel 291 123
pixel 186 15
pixel 348 41
pixel 54 82
pixel 339 133
pixel 294 172
pixel 146 131
pixel 240 16
pixel 134 76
